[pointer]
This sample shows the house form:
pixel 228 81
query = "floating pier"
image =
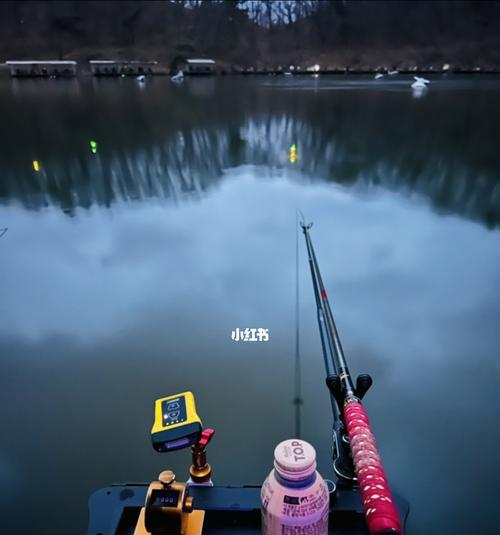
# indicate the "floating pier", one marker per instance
pixel 108 67
pixel 35 68
pixel 199 66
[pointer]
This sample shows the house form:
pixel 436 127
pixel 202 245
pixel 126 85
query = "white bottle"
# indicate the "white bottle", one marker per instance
pixel 294 497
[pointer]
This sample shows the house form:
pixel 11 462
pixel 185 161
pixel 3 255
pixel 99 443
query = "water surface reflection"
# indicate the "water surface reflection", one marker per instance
pixel 150 147
pixel 182 230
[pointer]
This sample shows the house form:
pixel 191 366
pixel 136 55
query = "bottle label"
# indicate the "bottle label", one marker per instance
pixel 266 494
pixel 318 528
pixel 306 505
pixel 288 513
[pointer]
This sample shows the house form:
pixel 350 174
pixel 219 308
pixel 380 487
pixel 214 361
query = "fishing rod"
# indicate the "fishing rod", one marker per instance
pixel 356 458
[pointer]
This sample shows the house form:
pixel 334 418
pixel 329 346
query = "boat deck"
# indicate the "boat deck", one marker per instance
pixel 229 510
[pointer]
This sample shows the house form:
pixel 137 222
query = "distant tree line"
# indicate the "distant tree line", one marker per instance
pixel 252 32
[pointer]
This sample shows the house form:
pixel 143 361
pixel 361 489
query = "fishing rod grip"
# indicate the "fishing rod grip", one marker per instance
pixel 381 514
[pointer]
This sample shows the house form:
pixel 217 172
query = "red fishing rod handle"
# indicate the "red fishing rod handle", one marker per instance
pixel 381 514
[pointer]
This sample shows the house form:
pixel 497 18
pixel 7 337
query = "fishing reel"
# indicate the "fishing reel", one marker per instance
pixel 169 509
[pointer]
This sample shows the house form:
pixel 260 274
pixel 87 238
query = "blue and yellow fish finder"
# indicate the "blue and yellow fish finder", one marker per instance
pixel 176 424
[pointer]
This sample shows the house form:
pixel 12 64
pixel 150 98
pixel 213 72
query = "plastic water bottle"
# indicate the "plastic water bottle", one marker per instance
pixel 294 497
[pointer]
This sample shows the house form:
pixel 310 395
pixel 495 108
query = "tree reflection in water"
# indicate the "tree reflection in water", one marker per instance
pixel 175 142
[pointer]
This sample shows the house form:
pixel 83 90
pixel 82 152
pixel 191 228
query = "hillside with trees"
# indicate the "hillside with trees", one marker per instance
pixel 255 33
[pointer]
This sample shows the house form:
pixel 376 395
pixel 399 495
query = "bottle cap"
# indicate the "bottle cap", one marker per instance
pixel 294 459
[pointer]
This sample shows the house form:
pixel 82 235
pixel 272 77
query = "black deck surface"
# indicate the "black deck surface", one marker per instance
pixel 229 510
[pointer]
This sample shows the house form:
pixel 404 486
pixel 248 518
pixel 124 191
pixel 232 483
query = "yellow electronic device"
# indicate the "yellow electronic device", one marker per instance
pixel 176 424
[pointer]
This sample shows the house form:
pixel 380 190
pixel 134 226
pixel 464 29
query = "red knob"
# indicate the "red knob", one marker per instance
pixel 206 437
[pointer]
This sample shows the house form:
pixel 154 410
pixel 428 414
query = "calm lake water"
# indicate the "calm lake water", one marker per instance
pixel 123 273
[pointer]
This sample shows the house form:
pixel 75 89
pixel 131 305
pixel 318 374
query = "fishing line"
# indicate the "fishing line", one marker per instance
pixel 298 386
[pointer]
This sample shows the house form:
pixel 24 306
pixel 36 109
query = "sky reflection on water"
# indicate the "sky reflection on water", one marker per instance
pixel 121 280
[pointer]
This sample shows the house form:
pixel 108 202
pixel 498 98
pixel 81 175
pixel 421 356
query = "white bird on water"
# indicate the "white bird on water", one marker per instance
pixel 393 73
pixel 179 77
pixel 420 83
pixel 141 78
pixel 378 76
pixel 419 86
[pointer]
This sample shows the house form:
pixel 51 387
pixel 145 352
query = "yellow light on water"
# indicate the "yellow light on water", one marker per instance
pixel 293 153
pixel 36 165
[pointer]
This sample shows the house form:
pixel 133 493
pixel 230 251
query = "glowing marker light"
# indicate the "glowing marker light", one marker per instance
pixel 36 165
pixel 293 153
pixel 93 147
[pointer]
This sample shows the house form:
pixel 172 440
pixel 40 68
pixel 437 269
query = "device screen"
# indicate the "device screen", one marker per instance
pixel 174 411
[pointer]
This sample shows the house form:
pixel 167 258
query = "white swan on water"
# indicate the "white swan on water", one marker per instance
pixel 141 78
pixel 378 76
